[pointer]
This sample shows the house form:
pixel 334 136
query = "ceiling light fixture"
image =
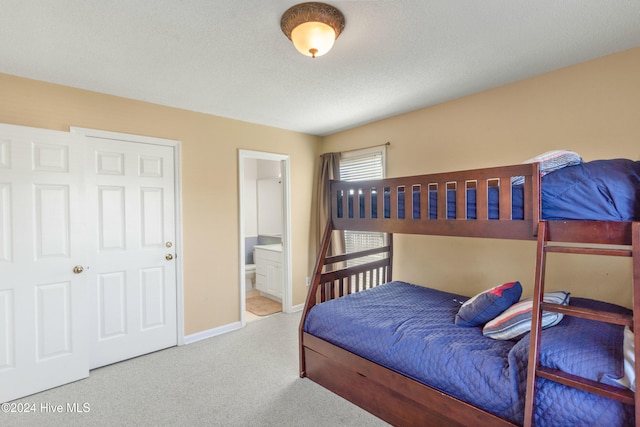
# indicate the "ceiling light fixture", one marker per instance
pixel 312 27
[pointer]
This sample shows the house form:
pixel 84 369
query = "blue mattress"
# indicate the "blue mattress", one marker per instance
pixel 410 329
pixel 604 190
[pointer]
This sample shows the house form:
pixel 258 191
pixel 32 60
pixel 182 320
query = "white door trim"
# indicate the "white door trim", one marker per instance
pixel 176 145
pixel 286 226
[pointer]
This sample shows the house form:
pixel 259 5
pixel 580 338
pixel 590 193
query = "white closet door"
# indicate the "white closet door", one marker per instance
pixel 43 332
pixel 132 280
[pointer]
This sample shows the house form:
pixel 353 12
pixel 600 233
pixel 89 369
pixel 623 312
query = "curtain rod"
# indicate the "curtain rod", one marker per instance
pixel 366 148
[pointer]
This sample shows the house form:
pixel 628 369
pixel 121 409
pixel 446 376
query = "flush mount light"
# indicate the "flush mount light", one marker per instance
pixel 312 27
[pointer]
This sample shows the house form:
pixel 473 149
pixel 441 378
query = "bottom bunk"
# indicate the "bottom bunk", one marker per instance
pixel 395 351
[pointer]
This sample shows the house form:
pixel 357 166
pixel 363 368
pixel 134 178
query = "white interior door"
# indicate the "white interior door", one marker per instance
pixel 132 279
pixel 43 332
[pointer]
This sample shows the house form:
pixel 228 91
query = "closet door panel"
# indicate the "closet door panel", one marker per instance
pixel 132 282
pixel 43 291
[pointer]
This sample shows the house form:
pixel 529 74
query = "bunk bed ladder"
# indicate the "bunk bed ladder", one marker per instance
pixel 534 370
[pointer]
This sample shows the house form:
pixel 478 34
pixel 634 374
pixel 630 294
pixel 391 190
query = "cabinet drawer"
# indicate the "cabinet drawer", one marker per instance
pixel 264 254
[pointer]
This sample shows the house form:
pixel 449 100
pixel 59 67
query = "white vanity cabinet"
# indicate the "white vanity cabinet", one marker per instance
pixel 268 260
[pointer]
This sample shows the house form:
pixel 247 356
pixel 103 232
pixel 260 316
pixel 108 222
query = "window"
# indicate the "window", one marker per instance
pixel 360 165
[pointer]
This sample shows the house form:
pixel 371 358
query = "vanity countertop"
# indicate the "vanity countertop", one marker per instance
pixel 277 247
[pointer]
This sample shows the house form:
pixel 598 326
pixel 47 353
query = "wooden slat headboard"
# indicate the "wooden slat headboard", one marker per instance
pixel 354 203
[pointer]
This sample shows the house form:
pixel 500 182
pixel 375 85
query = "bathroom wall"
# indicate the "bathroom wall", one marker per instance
pixel 270 211
pixel 269 206
pixel 255 170
pixel 250 208
pixel 268 169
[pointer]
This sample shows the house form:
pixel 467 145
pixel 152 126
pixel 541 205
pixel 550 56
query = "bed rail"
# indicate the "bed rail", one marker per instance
pixel 345 281
pixel 433 204
pixel 339 275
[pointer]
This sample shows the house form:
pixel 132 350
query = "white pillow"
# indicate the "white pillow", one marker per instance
pixel 549 162
pixel 628 380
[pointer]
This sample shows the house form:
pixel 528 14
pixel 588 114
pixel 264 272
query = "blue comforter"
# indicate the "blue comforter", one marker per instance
pixel 410 329
pixel 601 190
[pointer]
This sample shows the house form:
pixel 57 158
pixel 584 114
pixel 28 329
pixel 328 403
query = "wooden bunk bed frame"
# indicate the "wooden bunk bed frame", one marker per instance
pixel 400 400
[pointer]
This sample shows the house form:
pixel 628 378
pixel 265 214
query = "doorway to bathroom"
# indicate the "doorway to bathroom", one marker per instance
pixel 265 238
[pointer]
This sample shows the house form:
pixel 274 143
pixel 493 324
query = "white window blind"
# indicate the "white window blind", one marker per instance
pixel 361 165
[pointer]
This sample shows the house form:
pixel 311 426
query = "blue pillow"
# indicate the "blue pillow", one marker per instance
pixel 516 321
pixel 488 304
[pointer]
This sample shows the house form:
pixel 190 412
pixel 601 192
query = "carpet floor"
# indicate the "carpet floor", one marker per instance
pixel 248 377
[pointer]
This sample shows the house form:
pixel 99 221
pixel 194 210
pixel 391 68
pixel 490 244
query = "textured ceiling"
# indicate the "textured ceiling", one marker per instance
pixel 229 57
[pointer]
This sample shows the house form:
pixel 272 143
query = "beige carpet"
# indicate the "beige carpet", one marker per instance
pixel 261 306
pixel 245 378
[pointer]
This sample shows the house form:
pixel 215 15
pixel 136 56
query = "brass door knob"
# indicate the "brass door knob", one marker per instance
pixel 78 269
pixel 169 257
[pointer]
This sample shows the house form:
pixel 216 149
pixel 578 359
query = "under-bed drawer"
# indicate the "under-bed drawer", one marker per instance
pixel 393 397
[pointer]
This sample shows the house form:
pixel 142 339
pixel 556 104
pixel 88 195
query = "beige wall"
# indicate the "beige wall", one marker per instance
pixel 209 181
pixel 592 108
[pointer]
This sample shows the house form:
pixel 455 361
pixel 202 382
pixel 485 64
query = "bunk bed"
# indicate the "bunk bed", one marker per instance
pixel 543 381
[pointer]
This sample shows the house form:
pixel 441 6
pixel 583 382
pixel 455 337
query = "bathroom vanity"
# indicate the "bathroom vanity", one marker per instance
pixel 268 260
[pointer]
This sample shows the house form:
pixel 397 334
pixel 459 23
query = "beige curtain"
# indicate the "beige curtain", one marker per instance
pixel 329 169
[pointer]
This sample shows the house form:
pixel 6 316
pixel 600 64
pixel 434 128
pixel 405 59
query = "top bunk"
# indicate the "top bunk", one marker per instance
pixel 590 202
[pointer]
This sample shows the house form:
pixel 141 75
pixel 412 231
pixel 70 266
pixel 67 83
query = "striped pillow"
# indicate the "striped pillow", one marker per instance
pixel 549 162
pixel 516 320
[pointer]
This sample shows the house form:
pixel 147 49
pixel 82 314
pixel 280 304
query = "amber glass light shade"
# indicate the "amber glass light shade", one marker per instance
pixel 313 38
pixel 312 27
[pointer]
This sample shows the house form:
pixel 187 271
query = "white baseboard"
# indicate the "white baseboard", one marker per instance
pixel 296 308
pixel 199 336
